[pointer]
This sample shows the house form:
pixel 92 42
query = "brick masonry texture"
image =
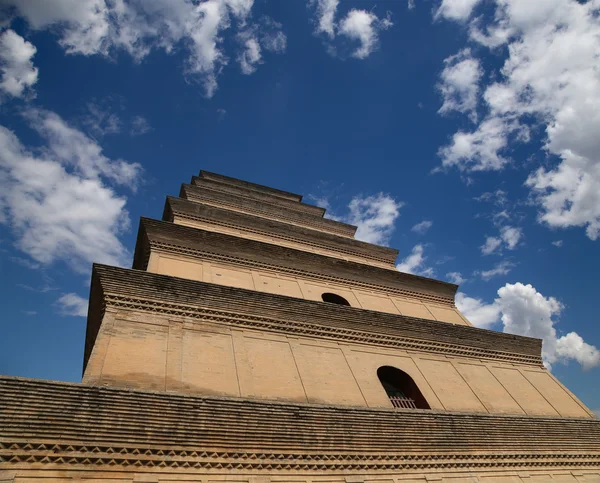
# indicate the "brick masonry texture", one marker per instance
pixel 232 246
pixel 241 220
pixel 207 184
pixel 234 202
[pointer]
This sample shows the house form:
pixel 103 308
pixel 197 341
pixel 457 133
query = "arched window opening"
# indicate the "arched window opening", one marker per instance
pixel 401 389
pixel 334 299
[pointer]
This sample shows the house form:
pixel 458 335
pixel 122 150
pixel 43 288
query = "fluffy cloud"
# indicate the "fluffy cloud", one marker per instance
pixel 99 27
pixel 73 304
pixel 365 27
pixel 525 311
pixel 326 10
pixel 477 311
pixel 456 277
pixel 375 217
pixel 459 84
pixel 459 10
pixel 415 263
pixel 549 81
pixel 423 227
pixel 358 25
pixel 18 71
pixel 57 199
pixel 509 238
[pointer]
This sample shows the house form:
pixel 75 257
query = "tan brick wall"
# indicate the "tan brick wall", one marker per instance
pixel 547 476
pixel 144 351
pixel 299 287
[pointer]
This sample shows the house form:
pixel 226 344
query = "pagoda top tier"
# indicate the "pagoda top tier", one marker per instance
pixel 251 186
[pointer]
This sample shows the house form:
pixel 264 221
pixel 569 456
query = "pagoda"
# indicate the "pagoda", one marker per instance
pixel 256 341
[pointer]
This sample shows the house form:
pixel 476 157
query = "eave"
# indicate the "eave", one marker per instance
pixel 208 184
pixel 248 185
pixel 232 219
pixel 207 244
pixel 258 208
pixel 143 291
pixel 66 426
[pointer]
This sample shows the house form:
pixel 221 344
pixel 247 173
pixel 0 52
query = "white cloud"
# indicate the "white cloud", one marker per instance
pixel 326 10
pixel 456 277
pixel 548 80
pixel 358 25
pixel 77 151
pixel 56 198
pixel 250 57
pixel 525 311
pixel 491 244
pixel 415 263
pixel 459 84
pixel 511 236
pixel 365 27
pixel 73 304
pixel 476 311
pixel 139 126
pixel 96 27
pixel 501 268
pixel 458 10
pixel 423 227
pixel 558 243
pixel 477 150
pixel 18 71
pixel 375 217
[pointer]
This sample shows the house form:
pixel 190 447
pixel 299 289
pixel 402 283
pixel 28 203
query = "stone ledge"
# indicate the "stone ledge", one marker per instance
pixel 248 185
pixel 350 246
pixel 209 184
pixel 283 259
pixel 144 291
pixel 36 411
pixel 255 207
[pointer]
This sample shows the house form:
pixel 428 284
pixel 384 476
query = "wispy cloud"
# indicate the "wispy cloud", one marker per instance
pixel 73 305
pixel 423 227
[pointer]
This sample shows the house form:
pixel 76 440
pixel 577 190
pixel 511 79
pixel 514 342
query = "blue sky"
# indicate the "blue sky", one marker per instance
pixel 462 132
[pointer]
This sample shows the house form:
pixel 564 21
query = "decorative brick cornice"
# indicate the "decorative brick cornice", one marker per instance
pixel 78 426
pixel 279 231
pixel 254 207
pixel 207 184
pixel 248 185
pixel 208 245
pixel 17 454
pixel 143 291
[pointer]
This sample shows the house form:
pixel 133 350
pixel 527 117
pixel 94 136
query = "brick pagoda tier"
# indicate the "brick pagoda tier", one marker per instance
pixel 255 341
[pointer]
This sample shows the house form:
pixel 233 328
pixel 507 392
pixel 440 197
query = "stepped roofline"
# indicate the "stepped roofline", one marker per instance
pixel 148 429
pixel 204 183
pixel 267 210
pixel 145 291
pixel 281 231
pixel 247 184
pixel 207 244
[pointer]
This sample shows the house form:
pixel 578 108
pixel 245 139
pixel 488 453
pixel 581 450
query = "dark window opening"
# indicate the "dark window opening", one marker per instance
pixel 401 389
pixel 334 299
